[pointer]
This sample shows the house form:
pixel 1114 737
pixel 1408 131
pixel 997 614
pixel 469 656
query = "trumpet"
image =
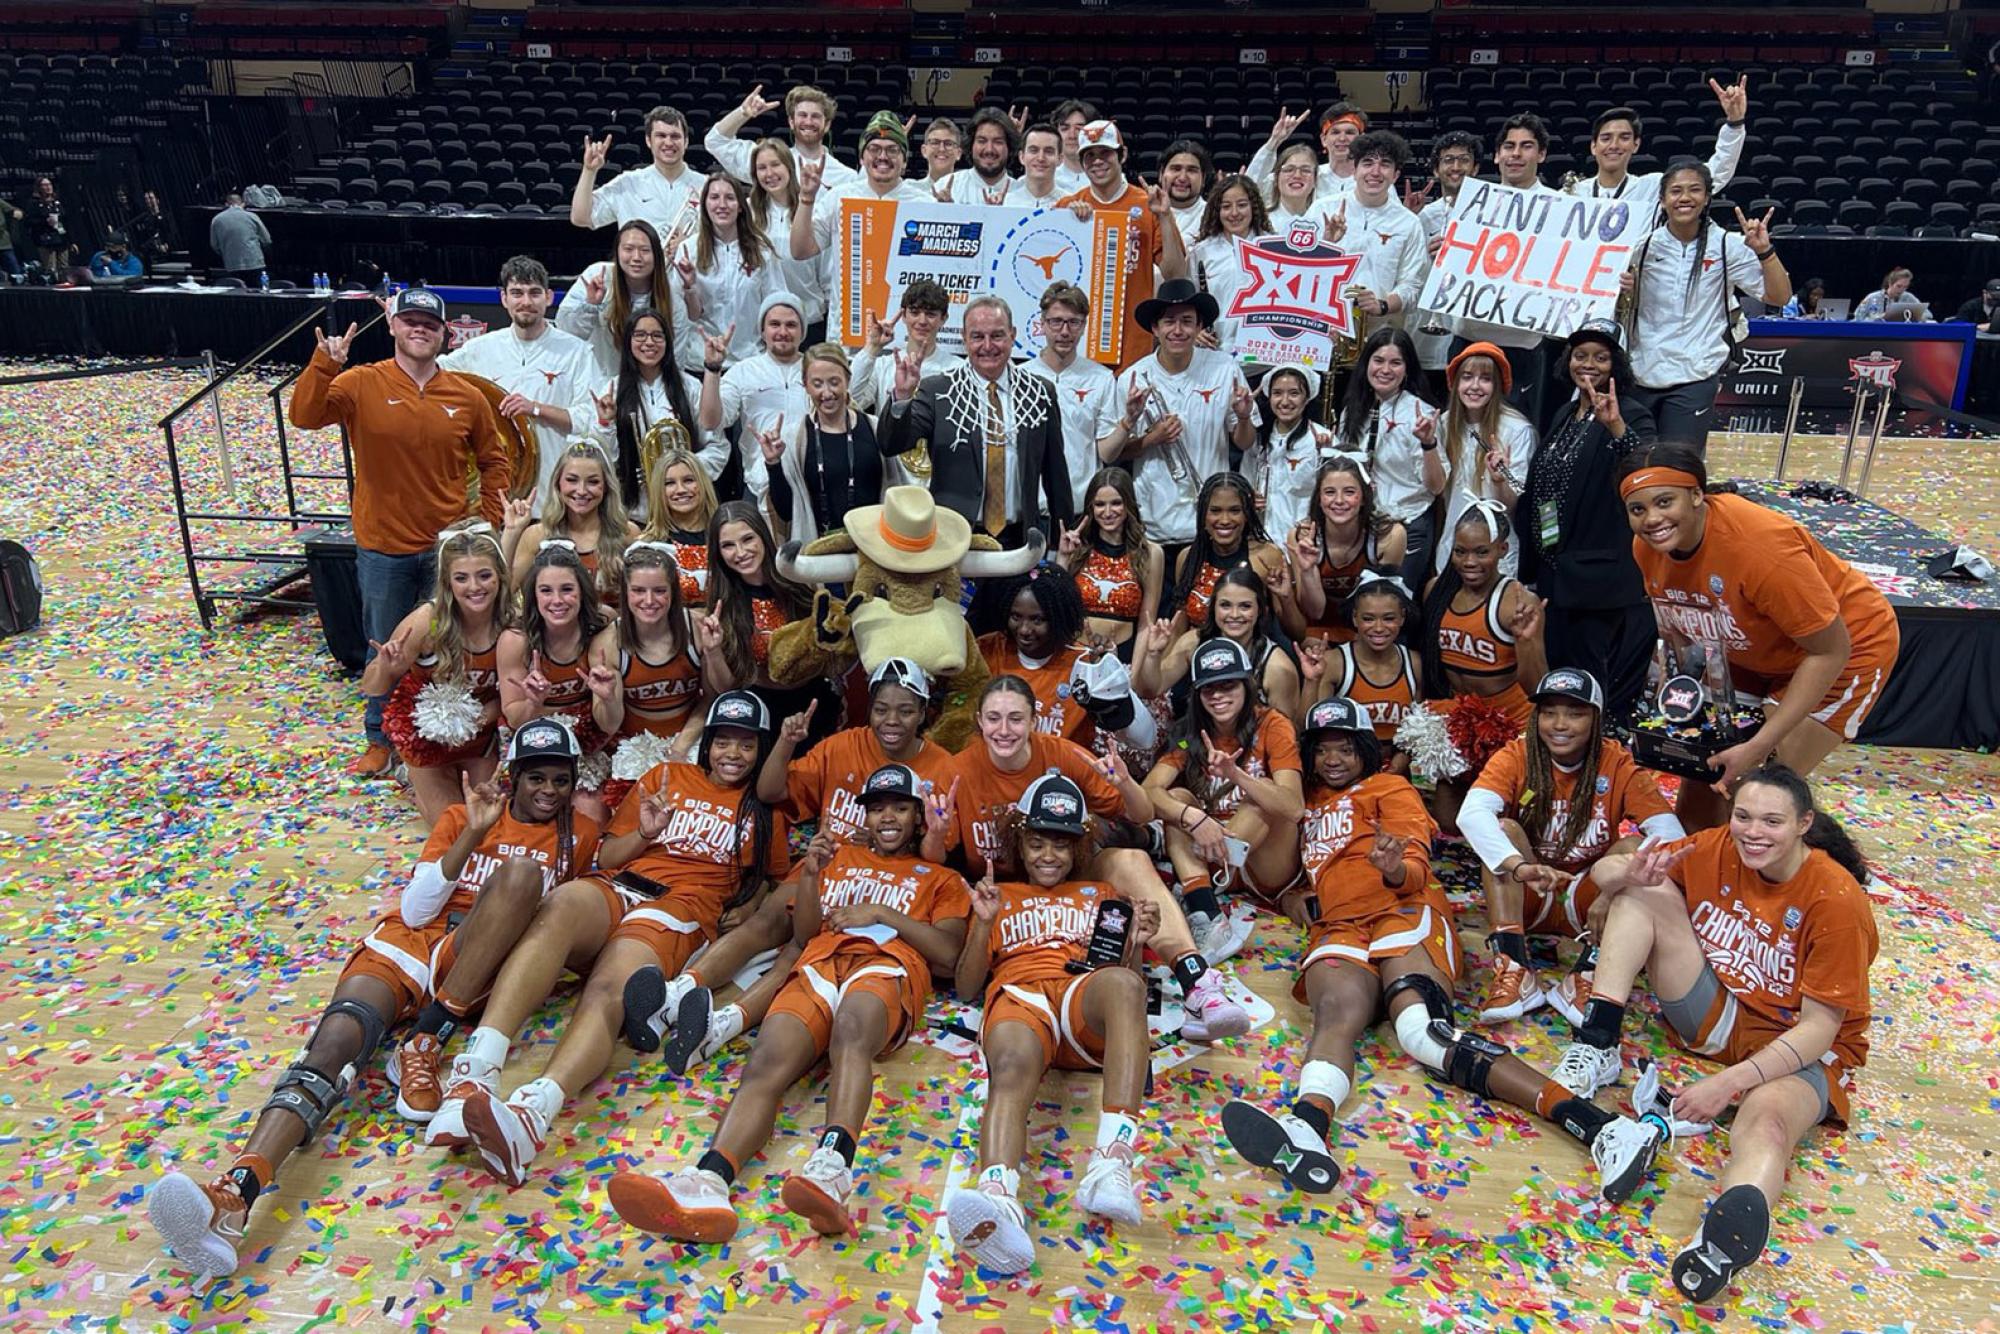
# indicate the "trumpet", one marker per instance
pixel 1180 465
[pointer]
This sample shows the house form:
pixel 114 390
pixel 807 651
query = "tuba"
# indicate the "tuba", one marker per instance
pixel 916 461
pixel 524 446
pixel 657 440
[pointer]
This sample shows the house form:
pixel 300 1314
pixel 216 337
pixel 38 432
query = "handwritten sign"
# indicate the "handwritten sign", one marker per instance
pixel 1531 259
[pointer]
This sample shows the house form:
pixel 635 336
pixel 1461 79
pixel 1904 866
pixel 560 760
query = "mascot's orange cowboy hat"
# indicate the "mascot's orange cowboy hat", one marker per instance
pixel 907 533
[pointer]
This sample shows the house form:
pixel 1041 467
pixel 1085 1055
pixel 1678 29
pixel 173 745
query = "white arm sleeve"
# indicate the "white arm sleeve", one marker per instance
pixel 1479 821
pixel 1728 152
pixel 425 894
pixel 730 153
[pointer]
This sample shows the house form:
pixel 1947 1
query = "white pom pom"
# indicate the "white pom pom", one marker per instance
pixel 446 713
pixel 592 771
pixel 1423 737
pixel 639 755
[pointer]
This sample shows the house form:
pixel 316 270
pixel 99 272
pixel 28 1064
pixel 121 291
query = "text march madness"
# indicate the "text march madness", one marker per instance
pixel 1532 260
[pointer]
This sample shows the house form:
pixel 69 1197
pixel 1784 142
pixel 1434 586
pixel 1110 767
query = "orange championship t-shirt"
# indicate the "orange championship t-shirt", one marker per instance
pixel 506 839
pixel 918 889
pixel 1142 258
pixel 1276 748
pixel 826 780
pixel 984 793
pixel 1772 945
pixel 1624 792
pixel 699 855
pixel 1338 832
pixel 1758 583
pixel 1039 932
pixel 1057 712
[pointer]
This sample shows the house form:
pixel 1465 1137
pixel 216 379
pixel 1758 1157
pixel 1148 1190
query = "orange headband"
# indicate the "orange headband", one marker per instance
pixel 901 543
pixel 1349 117
pixel 1646 477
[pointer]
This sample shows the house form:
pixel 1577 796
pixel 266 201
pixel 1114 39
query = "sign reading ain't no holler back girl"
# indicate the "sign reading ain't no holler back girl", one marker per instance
pixel 1531 259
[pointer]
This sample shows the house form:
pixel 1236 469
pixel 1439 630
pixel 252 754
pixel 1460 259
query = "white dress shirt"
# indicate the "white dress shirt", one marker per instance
pixel 734 156
pixel 801 276
pixel 1394 257
pixel 578 316
pixel 1283 473
pixel 554 367
pixel 1203 397
pixel 1469 480
pixel 1397 460
pixel 646 194
pixel 1070 179
pixel 729 295
pixel 1677 331
pixel 826 219
pixel 711 448
pixel 872 378
pixel 1087 396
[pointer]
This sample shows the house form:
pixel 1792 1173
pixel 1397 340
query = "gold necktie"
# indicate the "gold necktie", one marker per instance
pixel 994 515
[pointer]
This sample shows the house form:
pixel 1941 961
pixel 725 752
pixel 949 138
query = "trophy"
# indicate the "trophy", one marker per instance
pixel 1695 713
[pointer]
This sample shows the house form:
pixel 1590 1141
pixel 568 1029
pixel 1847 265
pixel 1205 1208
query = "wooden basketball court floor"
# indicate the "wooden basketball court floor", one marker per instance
pixel 183 866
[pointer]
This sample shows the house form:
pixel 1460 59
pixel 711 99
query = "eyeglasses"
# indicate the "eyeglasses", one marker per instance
pixel 1062 322
pixel 649 336
pixel 1296 169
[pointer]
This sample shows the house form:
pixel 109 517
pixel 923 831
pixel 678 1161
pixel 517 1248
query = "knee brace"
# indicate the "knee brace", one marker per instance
pixel 366 1016
pixel 309 1095
pixel 1427 1033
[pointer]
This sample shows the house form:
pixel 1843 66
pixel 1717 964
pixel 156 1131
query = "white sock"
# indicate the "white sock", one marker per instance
pixel 1327 1080
pixel 488 1045
pixel 544 1095
pixel 1116 1128
pixel 726 1024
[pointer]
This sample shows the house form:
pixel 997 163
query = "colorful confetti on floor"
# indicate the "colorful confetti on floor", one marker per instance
pixel 184 865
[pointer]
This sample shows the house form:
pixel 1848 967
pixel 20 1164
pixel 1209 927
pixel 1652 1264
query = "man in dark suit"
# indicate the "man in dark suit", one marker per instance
pixel 995 433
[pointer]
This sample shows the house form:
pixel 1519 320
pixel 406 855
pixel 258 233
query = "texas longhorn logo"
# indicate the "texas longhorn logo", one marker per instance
pixel 1294 285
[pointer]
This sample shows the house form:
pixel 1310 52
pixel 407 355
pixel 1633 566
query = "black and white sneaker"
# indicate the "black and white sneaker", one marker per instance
pixel 690 1028
pixel 645 1008
pixel 1624 1151
pixel 1287 1144
pixel 1731 1237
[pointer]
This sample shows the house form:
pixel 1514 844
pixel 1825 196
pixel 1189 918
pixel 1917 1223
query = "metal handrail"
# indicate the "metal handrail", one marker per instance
pixel 269 346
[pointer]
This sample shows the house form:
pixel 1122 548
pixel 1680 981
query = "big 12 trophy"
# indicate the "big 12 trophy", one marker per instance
pixel 1696 714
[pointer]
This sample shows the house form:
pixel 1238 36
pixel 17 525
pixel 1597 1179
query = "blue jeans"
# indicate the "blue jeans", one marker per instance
pixel 390 587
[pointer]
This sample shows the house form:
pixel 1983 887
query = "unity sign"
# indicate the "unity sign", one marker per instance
pixel 1532 260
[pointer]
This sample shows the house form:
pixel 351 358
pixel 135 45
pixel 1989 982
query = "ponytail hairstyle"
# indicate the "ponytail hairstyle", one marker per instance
pixel 590 619
pixel 729 595
pixel 1201 551
pixel 1055 592
pixel 475 538
pixel 652 554
pixel 1538 809
pixel 611 520
pixel 1493 519
pixel 1132 536
pixel 1373 523
pixel 1361 400
pixel 1825 833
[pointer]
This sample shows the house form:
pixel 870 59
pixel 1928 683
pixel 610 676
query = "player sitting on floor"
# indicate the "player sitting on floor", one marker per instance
pixel 873 921
pixel 1539 838
pixel 1383 942
pixel 1061 990
pixel 1757 937
pixel 486 865
pixel 688 844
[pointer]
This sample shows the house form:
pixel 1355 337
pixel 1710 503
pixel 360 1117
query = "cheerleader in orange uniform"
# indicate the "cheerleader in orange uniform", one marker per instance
pixel 873 922
pixel 1383 942
pixel 682 502
pixel 1373 668
pixel 1481 633
pixel 690 843
pixel 1229 535
pixel 1344 538
pixel 447 646
pixel 1048 1005
pixel 659 674
pixel 562 657
pixel 1757 938
pixel 1118 570
pixel 583 509
pixel 1539 839
pixel 749 600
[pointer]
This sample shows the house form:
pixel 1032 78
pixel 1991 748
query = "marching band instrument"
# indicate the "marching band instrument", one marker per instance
pixel 655 441
pixel 1180 465
pixel 524 446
